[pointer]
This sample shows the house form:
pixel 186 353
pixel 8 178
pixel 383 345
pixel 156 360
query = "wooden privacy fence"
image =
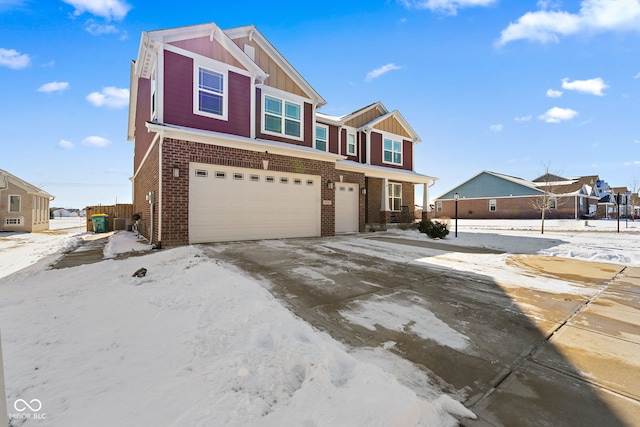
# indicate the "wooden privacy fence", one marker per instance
pixel 122 212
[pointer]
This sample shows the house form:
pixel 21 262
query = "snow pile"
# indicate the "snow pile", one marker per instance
pixel 125 242
pixel 189 344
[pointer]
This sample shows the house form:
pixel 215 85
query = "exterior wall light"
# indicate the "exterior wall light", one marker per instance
pixel 364 191
pixel 176 172
pixel 330 185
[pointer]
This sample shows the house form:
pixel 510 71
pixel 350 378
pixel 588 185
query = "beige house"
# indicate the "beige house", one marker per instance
pixel 23 207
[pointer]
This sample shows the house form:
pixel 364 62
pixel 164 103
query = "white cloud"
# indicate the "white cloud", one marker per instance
pixel 592 86
pixel 557 115
pixel 107 9
pixel 13 59
pixel 110 96
pixel 546 26
pixel 637 76
pixel 496 128
pixel 54 87
pixel 447 6
pixel 554 93
pixel 96 29
pixel 95 141
pixel 380 71
pixel 65 144
pixel 523 118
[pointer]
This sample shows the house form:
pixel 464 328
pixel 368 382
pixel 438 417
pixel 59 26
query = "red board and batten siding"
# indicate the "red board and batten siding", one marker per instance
pixel 333 139
pixel 178 99
pixel 376 153
pixel 143 138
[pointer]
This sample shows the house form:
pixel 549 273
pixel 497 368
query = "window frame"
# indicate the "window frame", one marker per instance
pixel 9 208
pixel 355 143
pixel 391 195
pixel 493 205
pixel 284 99
pixel 211 68
pixel 326 140
pixel 393 151
pixel 439 206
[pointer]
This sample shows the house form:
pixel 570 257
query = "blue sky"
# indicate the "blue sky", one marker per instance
pixel 492 85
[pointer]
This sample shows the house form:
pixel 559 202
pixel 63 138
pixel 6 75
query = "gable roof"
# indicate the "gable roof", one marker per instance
pixel 472 189
pixel 582 184
pixel 255 35
pixel 151 41
pixel 7 178
pixel 382 115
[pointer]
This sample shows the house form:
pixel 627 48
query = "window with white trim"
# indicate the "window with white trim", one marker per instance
pixel 553 203
pixel 13 221
pixel 351 144
pixel 210 93
pixel 392 151
pixel 322 138
pixel 492 205
pixel 439 206
pixel 281 117
pixel 15 202
pixel 395 196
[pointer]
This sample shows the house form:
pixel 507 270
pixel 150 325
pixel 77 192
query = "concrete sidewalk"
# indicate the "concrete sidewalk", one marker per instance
pixel 533 358
pixel 589 366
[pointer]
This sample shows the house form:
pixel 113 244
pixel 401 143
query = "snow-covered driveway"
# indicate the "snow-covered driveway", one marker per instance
pixel 470 320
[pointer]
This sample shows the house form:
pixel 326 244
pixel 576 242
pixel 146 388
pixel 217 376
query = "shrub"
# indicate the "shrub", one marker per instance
pixel 434 229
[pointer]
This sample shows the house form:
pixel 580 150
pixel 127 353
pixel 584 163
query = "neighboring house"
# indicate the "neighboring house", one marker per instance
pixel 224 125
pixel 491 195
pixel 23 207
pixel 626 205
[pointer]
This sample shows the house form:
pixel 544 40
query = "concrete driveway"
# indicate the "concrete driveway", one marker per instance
pixel 516 355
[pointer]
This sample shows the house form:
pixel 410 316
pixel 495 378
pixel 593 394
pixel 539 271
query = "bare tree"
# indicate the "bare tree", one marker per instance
pixel 548 183
pixel 634 187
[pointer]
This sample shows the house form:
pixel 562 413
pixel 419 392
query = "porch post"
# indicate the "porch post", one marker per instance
pixel 385 195
pixel 425 200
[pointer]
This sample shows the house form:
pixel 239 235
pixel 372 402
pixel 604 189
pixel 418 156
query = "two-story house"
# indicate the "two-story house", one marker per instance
pixel 230 145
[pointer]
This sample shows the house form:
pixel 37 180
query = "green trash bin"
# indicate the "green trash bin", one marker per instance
pixel 100 224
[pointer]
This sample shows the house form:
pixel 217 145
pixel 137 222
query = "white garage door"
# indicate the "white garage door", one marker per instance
pixel 227 204
pixel 347 209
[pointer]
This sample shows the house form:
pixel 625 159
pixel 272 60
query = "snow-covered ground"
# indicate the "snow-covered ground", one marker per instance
pixel 194 343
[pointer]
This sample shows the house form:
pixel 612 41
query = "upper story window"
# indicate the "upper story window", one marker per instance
pixel 392 151
pixel 210 92
pixel 322 136
pixel 351 144
pixel 14 204
pixel 282 117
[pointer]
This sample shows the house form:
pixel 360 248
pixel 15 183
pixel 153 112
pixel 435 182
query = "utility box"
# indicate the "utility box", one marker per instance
pixel 100 223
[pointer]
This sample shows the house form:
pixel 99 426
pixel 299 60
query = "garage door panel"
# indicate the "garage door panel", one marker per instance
pixel 347 207
pixel 248 204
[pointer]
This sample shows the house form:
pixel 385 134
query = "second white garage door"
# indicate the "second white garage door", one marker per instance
pixel 227 204
pixel 347 207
